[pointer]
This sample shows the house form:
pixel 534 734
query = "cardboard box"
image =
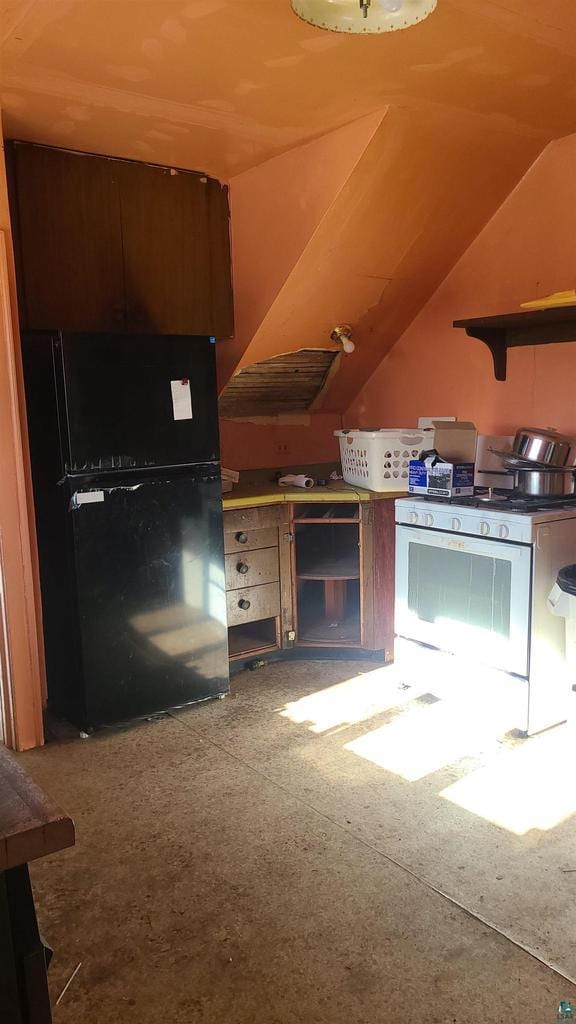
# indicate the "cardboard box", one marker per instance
pixel 451 473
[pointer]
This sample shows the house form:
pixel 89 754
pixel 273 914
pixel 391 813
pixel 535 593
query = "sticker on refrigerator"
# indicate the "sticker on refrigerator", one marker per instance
pixel 86 498
pixel 181 399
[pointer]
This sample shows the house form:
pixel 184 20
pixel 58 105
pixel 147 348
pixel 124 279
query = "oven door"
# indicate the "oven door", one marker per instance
pixel 465 595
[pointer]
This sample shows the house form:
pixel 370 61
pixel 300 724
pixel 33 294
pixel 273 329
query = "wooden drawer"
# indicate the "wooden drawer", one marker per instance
pixel 247 540
pixel 263 603
pixel 259 567
pixel 237 519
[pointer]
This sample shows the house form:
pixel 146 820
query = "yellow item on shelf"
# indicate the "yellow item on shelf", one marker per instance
pixel 549 301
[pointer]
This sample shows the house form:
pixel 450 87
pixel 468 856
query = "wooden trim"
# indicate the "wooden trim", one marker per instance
pixel 294 578
pixel 22 706
pixel 384 540
pixel 343 645
pixel 254 651
pixel 367 569
pixel 285 546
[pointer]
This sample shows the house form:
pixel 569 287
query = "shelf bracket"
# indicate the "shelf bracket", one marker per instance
pixel 497 345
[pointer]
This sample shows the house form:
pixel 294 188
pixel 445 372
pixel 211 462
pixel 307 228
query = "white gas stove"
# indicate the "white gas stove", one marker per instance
pixel 472 578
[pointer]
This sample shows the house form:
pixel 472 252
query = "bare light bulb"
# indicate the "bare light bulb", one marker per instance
pixel 343 336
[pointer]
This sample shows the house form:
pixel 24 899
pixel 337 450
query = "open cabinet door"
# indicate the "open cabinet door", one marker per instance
pixel 21 659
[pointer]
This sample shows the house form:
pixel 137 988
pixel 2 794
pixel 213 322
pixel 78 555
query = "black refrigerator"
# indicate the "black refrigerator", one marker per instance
pixel 126 475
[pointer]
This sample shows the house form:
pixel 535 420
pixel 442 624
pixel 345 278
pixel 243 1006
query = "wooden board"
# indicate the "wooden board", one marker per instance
pixel 286 383
pixel 31 825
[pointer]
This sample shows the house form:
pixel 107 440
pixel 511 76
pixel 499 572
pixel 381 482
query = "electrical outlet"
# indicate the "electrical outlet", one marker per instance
pixel 282 449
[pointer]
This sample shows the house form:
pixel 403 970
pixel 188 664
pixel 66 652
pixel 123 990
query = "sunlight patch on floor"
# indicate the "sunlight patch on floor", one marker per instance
pixel 529 787
pixel 355 700
pixel 449 711
pixel 471 721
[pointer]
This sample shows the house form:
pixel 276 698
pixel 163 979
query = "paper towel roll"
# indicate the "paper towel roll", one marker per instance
pixel 296 481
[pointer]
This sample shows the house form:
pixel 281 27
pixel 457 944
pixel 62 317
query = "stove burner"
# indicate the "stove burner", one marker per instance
pixel 508 501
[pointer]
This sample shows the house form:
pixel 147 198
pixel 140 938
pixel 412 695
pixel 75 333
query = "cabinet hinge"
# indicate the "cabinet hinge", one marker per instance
pixel 288 538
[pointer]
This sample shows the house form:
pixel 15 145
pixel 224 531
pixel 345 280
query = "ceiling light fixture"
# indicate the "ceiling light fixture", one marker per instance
pixel 363 15
pixel 342 335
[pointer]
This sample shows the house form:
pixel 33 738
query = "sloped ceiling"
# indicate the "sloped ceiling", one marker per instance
pixel 222 85
pixel 423 188
pixel 461 106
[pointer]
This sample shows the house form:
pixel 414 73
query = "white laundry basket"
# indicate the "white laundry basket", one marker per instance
pixel 379 459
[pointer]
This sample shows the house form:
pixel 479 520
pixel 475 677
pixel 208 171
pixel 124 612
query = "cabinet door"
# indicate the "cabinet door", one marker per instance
pixel 220 260
pixel 65 208
pixel 171 270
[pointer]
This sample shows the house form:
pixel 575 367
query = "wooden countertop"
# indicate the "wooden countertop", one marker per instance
pixel 31 825
pixel 272 494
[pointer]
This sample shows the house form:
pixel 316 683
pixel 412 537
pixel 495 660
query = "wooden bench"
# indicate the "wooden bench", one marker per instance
pixel 31 826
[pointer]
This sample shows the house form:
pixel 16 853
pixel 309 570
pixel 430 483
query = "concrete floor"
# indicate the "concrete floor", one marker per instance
pixel 220 874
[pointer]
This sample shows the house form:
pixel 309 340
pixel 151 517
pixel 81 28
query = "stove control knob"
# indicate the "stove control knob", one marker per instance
pixel 456 524
pixel 484 529
pixel 504 531
pixel 414 518
pixel 428 519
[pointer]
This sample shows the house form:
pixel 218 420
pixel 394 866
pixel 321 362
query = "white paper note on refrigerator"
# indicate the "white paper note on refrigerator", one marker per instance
pixel 181 399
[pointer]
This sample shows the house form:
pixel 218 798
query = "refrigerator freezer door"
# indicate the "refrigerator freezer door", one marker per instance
pixel 151 596
pixel 131 401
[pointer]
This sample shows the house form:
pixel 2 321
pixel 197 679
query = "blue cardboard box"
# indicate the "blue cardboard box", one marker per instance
pixel 444 479
pixel 446 469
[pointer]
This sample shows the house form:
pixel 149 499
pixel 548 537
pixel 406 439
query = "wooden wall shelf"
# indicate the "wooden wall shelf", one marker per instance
pixel 514 330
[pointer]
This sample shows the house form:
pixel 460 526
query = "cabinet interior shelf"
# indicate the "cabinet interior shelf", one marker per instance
pixel 324 522
pixel 515 330
pixel 322 631
pixel 336 569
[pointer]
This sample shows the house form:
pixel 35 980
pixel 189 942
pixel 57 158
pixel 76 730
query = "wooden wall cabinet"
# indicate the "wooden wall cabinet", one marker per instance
pixel 112 245
pixel 311 575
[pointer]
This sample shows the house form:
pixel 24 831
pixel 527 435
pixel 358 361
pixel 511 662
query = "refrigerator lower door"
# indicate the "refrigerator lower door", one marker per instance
pixel 149 574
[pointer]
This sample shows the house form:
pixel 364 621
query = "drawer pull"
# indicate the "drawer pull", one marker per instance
pixel 243 568
pixel 242 538
pixel 244 604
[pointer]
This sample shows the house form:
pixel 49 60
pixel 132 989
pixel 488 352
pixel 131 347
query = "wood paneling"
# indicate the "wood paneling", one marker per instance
pixel 66 214
pixel 166 244
pixel 220 258
pixel 286 383
pixel 109 244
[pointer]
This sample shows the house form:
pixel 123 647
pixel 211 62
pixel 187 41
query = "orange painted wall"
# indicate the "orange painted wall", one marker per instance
pixel 275 208
pixel 276 444
pixel 527 250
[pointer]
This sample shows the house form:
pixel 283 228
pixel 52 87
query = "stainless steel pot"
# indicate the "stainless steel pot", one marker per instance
pixel 544 483
pixel 545 447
